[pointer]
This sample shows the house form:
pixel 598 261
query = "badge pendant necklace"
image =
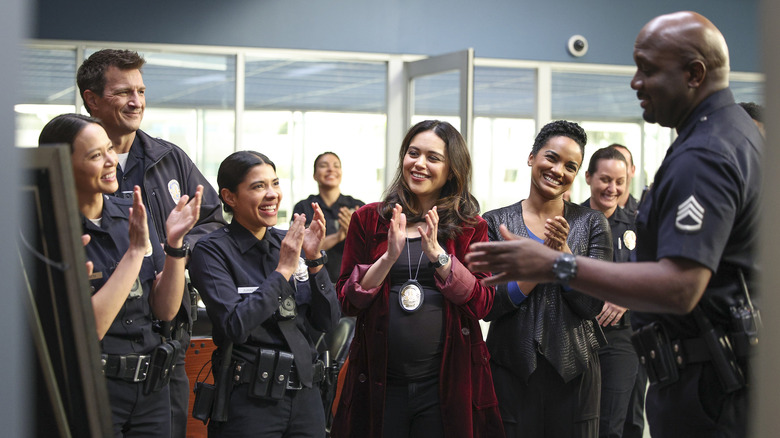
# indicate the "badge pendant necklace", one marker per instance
pixel 411 296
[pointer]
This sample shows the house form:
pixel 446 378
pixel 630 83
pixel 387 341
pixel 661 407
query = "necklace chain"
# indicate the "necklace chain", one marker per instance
pixel 409 257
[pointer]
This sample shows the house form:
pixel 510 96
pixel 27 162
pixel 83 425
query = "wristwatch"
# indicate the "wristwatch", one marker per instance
pixel 441 260
pixel 177 253
pixel 565 268
pixel 316 262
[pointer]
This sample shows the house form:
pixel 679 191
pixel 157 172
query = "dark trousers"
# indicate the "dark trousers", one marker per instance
pixel 413 410
pixel 180 397
pixel 634 427
pixel 299 414
pixel 696 407
pixel 619 366
pixel 547 406
pixel 134 414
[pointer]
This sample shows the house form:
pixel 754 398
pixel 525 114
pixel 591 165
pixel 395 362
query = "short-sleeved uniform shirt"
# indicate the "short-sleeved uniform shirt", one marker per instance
pixel 703 206
pixel 131 331
pixel 333 266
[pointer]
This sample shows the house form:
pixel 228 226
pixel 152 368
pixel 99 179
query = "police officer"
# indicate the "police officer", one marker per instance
pixel 132 281
pixel 259 294
pixel 697 233
pixel 607 176
pixel 113 91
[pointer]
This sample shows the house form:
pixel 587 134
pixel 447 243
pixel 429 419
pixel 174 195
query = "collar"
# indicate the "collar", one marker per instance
pixel 245 240
pixel 145 145
pixel 621 215
pixel 111 212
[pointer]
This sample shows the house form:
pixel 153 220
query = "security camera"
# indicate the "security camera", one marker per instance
pixel 578 46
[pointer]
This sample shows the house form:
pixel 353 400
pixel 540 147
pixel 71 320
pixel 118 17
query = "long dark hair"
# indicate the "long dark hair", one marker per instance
pixel 234 168
pixel 456 204
pixel 64 129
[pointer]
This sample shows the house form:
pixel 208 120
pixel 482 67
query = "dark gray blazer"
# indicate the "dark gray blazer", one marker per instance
pixel 558 323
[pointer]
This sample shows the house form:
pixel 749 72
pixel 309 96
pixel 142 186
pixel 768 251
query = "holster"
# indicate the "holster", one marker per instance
pixel 656 354
pixel 721 352
pixel 271 373
pixel 223 382
pixel 161 365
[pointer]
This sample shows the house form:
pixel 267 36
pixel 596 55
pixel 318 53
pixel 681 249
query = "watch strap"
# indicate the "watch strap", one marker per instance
pixel 178 253
pixel 317 262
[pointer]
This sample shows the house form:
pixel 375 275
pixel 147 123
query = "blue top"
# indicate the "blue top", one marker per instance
pixel 704 206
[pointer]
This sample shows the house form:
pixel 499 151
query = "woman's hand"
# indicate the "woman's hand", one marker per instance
pixel 313 236
pixel 430 244
pixel 183 218
pixel 610 314
pixel 139 228
pixel 345 216
pixel 556 230
pixel 290 252
pixel 396 235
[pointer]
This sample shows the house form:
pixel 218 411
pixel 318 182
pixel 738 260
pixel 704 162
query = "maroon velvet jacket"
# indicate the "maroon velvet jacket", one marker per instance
pixel 469 406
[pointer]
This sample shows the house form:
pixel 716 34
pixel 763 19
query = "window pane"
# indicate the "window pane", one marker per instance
pixel 48 77
pixel 577 96
pixel 297 109
pixel 748 91
pixel 504 92
pixel 299 85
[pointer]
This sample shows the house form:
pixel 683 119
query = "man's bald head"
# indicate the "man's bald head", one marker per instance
pixel 681 58
pixel 693 37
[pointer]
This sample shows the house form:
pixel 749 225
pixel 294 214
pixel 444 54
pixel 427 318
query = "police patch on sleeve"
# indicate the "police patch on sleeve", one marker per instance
pixel 690 216
pixel 175 190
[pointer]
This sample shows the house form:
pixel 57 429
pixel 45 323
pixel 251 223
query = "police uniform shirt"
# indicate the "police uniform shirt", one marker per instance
pixel 333 266
pixel 131 331
pixel 623 229
pixel 236 276
pixel 703 206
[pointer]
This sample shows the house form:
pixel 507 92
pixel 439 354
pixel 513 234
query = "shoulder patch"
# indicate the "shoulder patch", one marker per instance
pixel 175 190
pixel 690 216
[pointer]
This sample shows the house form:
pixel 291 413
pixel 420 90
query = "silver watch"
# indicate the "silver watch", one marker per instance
pixel 441 260
pixel 565 268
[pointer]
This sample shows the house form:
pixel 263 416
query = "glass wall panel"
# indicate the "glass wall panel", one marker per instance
pixel 587 96
pixel 504 106
pixel 47 89
pixel 311 85
pixel 297 109
pixel 748 91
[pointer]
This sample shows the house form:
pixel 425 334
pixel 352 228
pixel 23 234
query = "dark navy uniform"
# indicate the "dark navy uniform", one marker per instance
pixel 133 413
pixel 165 172
pixel 619 361
pixel 333 266
pixel 237 279
pixel 703 206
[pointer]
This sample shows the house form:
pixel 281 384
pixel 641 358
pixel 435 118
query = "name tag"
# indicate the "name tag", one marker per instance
pixel 247 290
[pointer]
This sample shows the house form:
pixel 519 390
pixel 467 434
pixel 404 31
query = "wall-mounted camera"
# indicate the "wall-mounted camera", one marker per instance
pixel 578 46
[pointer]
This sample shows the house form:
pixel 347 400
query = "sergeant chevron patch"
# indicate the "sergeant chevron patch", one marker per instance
pixel 690 215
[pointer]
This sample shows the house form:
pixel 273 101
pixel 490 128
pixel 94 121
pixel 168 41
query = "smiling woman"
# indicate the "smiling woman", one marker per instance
pixel 262 287
pixel 418 362
pixel 128 294
pixel 542 337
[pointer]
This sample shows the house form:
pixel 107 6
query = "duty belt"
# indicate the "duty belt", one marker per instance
pixel 244 373
pixel 128 367
pixel 694 350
